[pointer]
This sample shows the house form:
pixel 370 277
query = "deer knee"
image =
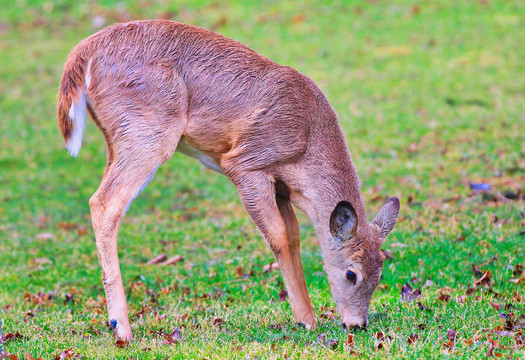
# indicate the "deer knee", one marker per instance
pixel 94 202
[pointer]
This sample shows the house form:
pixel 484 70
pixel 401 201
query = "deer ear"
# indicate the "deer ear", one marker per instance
pixel 387 216
pixel 343 221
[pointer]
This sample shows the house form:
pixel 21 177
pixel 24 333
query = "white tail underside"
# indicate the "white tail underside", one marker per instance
pixel 77 116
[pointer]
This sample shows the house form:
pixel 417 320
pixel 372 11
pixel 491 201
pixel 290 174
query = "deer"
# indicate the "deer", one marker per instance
pixel 154 87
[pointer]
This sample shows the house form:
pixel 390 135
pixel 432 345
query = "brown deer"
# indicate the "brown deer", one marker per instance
pixel 154 87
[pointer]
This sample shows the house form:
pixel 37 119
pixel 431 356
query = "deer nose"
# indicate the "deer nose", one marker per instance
pixel 355 327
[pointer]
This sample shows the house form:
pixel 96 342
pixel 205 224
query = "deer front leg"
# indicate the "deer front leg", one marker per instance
pixel 257 192
pixel 294 244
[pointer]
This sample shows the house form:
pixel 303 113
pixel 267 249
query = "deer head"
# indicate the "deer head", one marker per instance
pixel 353 259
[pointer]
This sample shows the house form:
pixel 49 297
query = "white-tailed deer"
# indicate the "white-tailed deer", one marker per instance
pixel 154 87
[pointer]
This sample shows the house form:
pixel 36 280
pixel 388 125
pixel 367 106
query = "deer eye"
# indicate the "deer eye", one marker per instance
pixel 351 276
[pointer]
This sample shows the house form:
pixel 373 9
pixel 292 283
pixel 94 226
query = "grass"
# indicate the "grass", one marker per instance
pixel 431 96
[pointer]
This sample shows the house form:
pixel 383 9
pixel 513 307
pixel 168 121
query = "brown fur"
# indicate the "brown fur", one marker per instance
pixel 268 127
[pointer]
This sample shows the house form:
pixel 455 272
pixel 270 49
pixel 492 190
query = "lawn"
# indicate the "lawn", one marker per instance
pixel 431 97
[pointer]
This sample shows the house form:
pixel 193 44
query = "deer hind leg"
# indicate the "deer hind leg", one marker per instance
pixel 257 193
pixel 135 157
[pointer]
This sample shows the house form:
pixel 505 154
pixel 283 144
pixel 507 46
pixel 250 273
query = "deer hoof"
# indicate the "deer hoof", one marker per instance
pixel 122 331
pixel 309 323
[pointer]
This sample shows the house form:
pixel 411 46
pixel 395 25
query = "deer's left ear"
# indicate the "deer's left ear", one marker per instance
pixel 387 216
pixel 343 221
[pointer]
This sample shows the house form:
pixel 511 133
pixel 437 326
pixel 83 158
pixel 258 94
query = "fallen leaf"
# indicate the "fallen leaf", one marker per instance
pixel 277 327
pixel 81 230
pixel 157 259
pixel 283 295
pixel 505 333
pixel 476 270
pixel 69 297
pixel 218 321
pixel 66 354
pixel 521 280
pixel 496 306
pixel 379 338
pixel 452 334
pixel 470 290
pixel 298 19
pixel 408 294
pixel 484 280
pixel 350 341
pixel 42 261
pixel 173 260
pixel 461 299
pixel 330 314
pixel 444 297
pixel 271 266
pixel 422 307
pixel 29 357
pixel 173 338
pixel 492 345
pixel 412 338
pixel 13 336
pixel 44 236
pixel 239 271
pixel 122 344
pixel 398 244
pixel 332 344
pixel 321 338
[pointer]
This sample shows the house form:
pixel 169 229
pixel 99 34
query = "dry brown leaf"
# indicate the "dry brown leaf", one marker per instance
pixel 67 226
pixel 66 354
pixel 12 336
pixel 484 280
pixel 271 266
pixel 496 306
pixel 122 344
pixel 408 294
pixel 350 341
pixel 173 260
pixel 412 338
pixel 518 281
pixel 173 338
pixel 81 230
pixel 218 321
pixel 30 357
pixel 157 259
pixel 283 295
pixel 444 297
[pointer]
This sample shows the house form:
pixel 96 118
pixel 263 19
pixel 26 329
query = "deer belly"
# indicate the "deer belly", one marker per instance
pixel 195 153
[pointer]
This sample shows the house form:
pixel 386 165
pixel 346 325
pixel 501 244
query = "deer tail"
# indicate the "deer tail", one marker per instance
pixel 72 100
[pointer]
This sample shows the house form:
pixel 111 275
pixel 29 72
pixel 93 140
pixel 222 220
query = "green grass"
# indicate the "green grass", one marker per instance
pixel 431 96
